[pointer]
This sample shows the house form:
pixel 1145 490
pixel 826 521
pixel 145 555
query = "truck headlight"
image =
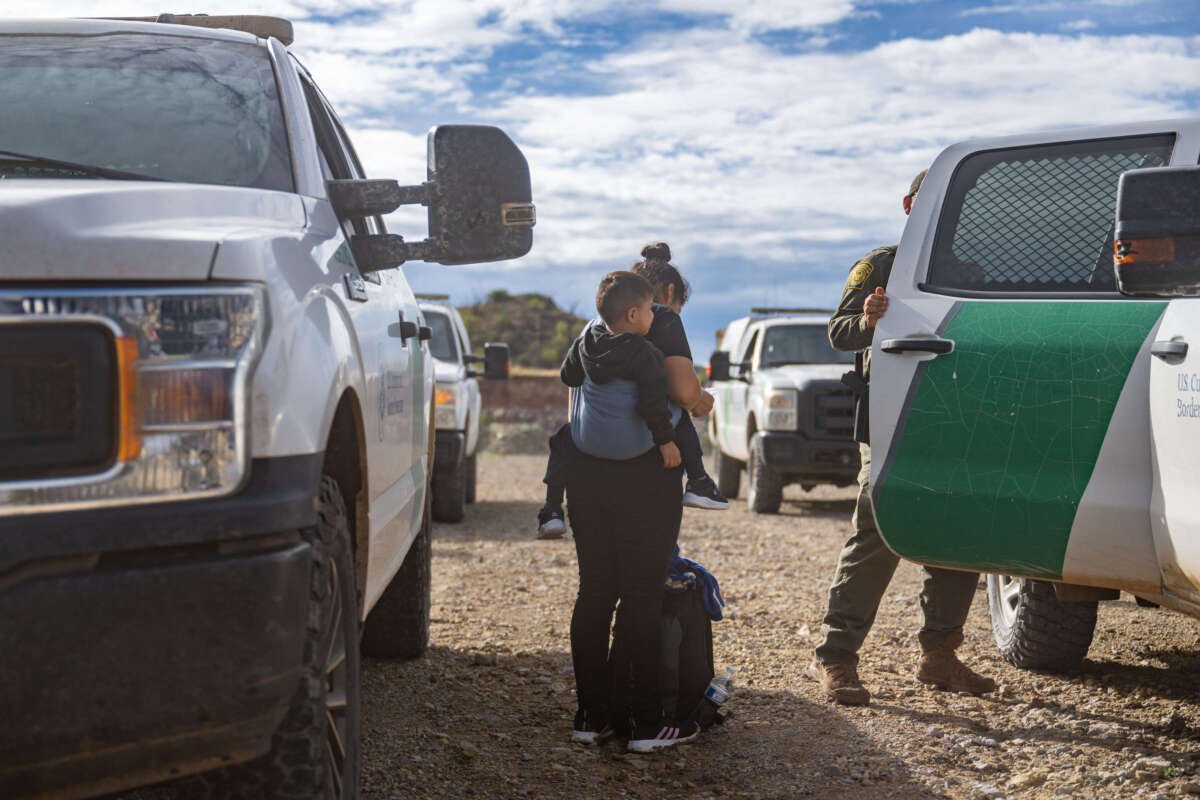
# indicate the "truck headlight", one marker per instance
pixel 782 410
pixel 178 392
pixel 445 415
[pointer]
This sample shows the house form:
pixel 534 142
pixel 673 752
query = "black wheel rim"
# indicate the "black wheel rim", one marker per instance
pixel 336 684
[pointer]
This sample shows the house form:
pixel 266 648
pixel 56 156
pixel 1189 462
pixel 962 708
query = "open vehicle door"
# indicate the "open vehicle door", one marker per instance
pixel 1009 413
pixel 1158 255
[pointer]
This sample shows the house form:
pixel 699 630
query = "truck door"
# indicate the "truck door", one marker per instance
pixel 1175 427
pixel 1009 425
pixel 393 359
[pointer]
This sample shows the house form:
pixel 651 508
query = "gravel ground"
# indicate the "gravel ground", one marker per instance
pixel 487 713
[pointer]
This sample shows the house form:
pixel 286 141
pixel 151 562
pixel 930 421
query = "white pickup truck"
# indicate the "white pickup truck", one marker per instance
pixel 459 405
pixel 216 417
pixel 1039 417
pixel 781 411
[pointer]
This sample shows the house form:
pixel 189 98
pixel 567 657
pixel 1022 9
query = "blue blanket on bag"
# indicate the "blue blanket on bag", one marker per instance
pixel 685 574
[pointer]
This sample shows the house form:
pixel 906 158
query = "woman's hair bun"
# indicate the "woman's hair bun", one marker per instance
pixel 658 251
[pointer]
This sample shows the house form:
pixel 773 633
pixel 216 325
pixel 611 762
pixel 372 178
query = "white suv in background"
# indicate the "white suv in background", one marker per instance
pixel 458 406
pixel 782 412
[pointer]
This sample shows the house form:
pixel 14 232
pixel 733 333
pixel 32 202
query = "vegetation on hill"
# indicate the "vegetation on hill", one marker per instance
pixel 536 330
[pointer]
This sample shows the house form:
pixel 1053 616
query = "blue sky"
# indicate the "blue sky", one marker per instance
pixel 768 142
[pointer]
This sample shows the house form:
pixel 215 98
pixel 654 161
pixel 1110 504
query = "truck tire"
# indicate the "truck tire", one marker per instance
pixel 306 760
pixel 450 492
pixel 729 473
pixel 1034 629
pixel 472 472
pixel 398 625
pixel 765 492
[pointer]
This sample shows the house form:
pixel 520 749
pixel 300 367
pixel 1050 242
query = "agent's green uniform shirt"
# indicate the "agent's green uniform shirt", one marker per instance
pixel 848 328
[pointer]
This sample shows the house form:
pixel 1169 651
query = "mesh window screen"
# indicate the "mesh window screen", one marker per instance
pixel 1037 219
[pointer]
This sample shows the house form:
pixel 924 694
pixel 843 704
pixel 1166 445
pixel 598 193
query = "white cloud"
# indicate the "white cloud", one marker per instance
pixel 767 171
pixel 1079 25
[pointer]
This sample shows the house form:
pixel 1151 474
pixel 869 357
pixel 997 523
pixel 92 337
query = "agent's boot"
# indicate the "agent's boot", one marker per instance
pixel 840 683
pixel 941 669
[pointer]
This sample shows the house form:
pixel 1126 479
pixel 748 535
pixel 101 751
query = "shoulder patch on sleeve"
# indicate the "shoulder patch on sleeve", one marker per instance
pixel 858 276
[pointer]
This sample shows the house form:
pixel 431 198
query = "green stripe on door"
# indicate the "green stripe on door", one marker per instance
pixel 1003 433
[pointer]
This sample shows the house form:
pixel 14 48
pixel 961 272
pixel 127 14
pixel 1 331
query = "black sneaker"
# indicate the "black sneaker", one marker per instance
pixel 590 727
pixel 667 733
pixel 702 493
pixel 552 522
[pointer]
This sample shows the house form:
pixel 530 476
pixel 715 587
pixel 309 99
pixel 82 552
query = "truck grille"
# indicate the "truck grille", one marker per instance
pixel 57 400
pixel 832 412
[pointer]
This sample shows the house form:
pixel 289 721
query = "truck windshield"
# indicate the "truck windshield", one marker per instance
pixel 176 108
pixel 799 344
pixel 442 345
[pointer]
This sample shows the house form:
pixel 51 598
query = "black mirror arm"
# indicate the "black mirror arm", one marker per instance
pixel 369 197
pixel 373 252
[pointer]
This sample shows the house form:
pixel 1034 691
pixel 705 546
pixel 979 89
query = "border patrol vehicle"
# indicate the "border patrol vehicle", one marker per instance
pixel 785 417
pixel 456 395
pixel 216 417
pixel 1038 421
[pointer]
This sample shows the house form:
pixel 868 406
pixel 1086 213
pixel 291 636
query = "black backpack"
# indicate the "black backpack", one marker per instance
pixel 687 661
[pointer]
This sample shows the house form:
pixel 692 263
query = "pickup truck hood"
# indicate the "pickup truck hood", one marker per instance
pixel 100 230
pixel 794 376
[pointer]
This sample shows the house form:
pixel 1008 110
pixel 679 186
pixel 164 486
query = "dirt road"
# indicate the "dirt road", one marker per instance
pixel 488 712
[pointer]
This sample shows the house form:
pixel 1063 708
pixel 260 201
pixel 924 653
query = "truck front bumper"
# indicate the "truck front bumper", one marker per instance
pixel 137 644
pixel 811 461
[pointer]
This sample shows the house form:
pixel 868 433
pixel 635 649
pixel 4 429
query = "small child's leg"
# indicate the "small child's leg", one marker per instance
pixel 551 520
pixel 701 490
pixel 688 442
pixel 562 449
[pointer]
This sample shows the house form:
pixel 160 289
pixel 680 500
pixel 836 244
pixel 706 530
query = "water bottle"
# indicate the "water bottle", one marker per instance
pixel 715 696
pixel 719 688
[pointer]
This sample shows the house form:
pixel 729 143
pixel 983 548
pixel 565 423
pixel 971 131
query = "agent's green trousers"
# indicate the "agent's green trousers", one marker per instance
pixel 865 569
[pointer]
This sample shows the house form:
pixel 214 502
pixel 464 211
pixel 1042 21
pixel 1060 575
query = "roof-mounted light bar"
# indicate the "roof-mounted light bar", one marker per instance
pixel 427 296
pixel 769 311
pixel 260 26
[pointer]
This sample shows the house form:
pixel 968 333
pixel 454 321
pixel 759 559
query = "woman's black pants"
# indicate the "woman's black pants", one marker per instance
pixel 625 516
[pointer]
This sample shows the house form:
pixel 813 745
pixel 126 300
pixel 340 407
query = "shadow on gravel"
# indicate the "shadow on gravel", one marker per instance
pixel 820 509
pixel 1049 723
pixel 463 724
pixel 495 520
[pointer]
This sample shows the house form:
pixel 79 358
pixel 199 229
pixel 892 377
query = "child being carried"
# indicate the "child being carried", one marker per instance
pixel 616 373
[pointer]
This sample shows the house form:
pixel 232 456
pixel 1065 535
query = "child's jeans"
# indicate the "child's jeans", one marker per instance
pixel 563 451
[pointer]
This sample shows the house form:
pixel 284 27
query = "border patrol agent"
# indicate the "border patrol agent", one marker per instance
pixel 866 565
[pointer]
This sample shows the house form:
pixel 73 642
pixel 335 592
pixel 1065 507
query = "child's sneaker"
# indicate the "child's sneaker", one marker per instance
pixel 667 733
pixel 702 493
pixel 590 727
pixel 552 522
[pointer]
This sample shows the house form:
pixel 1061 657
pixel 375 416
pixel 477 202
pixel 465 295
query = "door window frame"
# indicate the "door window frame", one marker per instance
pixel 948 217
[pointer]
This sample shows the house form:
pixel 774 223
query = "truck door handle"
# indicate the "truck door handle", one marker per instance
pixel 1169 349
pixel 405 330
pixel 939 347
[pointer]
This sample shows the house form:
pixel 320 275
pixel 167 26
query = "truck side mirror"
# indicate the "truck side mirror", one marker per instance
pixel 480 204
pixel 495 361
pixel 1157 232
pixel 479 198
pixel 718 366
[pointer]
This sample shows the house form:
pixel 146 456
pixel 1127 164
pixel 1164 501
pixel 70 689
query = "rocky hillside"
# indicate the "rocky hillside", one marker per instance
pixel 537 331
